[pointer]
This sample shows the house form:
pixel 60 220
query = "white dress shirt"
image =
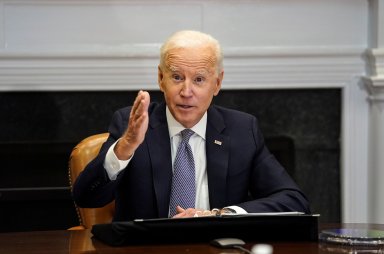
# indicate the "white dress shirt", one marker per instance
pixel 197 143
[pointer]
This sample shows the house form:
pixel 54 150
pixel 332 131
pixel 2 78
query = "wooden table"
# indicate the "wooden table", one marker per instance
pixel 41 242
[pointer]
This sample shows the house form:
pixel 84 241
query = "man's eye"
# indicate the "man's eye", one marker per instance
pixel 177 77
pixel 199 79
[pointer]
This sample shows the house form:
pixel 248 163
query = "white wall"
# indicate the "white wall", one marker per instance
pixel 113 45
pixel 102 44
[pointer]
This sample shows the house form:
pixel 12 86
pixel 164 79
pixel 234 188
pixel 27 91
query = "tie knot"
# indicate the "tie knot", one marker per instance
pixel 186 134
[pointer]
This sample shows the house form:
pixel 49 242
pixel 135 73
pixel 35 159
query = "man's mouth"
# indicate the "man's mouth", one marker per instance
pixel 184 106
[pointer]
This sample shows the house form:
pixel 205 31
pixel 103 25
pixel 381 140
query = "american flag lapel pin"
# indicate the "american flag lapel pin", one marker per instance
pixel 217 142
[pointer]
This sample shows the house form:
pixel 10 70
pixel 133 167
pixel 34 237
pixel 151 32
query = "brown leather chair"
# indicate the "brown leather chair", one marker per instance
pixel 81 155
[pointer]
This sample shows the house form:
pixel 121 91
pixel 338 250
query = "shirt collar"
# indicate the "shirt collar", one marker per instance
pixel 175 127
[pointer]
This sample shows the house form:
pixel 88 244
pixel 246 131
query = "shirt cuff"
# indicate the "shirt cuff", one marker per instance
pixel 237 209
pixel 112 164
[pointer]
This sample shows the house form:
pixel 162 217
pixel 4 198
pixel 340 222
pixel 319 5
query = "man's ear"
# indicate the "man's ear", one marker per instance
pixel 160 77
pixel 218 83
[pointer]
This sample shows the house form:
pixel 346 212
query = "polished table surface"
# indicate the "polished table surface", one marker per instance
pixel 81 241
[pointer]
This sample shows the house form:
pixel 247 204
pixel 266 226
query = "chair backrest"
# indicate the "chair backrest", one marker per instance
pixel 81 155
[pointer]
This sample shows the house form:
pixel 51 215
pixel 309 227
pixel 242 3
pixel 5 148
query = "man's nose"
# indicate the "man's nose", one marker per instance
pixel 186 89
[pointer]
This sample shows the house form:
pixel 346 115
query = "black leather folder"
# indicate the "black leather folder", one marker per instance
pixel 204 229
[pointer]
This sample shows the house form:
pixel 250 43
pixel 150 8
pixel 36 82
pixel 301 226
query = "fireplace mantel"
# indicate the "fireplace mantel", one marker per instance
pixel 118 69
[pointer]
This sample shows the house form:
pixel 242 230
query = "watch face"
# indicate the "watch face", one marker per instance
pixel 352 236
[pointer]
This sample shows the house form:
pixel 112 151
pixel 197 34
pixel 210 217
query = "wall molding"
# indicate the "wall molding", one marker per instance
pixel 132 68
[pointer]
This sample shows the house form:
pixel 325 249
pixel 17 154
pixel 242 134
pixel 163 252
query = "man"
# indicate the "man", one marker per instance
pixel 229 164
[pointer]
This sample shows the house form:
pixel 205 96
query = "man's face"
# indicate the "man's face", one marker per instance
pixel 189 80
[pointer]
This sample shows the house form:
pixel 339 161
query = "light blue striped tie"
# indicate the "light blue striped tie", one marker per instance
pixel 183 191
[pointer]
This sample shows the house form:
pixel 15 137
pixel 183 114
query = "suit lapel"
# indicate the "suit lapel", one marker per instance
pixel 217 147
pixel 160 155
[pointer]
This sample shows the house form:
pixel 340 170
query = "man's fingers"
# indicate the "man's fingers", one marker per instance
pixel 146 98
pixel 139 121
pixel 136 103
pixel 141 104
pixel 137 127
pixel 139 109
pixel 179 209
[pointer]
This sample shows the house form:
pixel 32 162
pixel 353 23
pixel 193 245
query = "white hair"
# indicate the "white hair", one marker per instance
pixel 191 39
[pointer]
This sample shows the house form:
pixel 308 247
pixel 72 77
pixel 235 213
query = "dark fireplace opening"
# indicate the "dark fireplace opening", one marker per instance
pixel 34 187
pixel 39 129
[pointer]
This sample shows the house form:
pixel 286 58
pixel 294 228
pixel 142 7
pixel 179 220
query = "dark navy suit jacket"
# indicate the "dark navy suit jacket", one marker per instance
pixel 241 171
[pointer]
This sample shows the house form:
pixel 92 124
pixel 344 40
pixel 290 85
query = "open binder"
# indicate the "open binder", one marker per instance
pixel 249 227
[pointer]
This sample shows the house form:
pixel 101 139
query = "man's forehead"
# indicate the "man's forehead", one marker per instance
pixel 201 60
pixel 200 70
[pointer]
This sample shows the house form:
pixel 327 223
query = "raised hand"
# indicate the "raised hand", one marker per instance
pixel 137 127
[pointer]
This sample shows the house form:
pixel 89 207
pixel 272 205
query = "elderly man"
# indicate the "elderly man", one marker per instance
pixel 186 157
